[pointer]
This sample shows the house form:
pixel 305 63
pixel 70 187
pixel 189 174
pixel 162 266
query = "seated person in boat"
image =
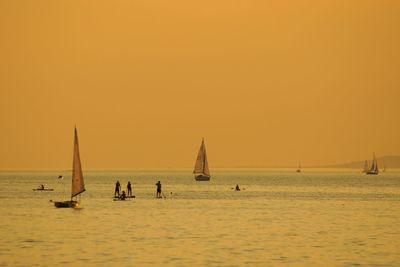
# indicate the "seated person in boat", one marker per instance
pixel 123 195
pixel 237 188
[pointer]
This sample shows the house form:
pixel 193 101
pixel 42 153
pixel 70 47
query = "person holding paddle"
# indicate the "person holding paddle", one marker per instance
pixel 158 184
pixel 117 189
pixel 129 187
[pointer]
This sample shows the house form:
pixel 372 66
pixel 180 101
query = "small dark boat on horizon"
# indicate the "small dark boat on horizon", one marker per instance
pixel 374 167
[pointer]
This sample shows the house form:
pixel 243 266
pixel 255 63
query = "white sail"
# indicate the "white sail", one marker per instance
pixel 201 165
pixel 365 169
pixel 374 167
pixel 376 170
pixel 78 185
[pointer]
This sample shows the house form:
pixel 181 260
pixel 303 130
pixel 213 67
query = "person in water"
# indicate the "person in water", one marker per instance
pixel 158 184
pixel 123 195
pixel 237 188
pixel 117 189
pixel 42 187
pixel 129 187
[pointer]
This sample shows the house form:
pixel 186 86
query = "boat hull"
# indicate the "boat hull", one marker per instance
pixel 372 173
pixel 202 178
pixel 66 204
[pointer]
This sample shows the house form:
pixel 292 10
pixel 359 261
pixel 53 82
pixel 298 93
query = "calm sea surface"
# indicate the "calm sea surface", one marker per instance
pixel 313 218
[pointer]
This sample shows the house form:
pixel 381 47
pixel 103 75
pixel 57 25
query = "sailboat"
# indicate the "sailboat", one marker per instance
pixel 365 169
pixel 299 168
pixel 201 171
pixel 78 185
pixel 374 167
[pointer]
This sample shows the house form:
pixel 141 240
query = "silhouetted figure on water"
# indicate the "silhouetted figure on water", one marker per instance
pixel 117 189
pixel 129 187
pixel 123 196
pixel 158 184
pixel 237 188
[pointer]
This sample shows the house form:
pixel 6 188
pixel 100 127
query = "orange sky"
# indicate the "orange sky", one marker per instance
pixel 267 83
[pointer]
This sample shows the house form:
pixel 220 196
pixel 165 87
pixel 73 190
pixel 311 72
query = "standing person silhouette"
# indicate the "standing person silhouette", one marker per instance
pixel 158 184
pixel 129 187
pixel 117 189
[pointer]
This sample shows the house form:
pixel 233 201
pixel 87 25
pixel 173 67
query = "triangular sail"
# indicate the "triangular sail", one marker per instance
pixel 376 170
pixel 206 171
pixel 78 185
pixel 365 166
pixel 201 165
pixel 372 166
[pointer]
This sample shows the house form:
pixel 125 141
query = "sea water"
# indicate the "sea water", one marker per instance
pixel 313 218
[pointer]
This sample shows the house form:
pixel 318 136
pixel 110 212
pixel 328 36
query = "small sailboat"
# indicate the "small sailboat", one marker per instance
pixel 78 185
pixel 374 167
pixel 299 168
pixel 201 171
pixel 41 188
pixel 365 169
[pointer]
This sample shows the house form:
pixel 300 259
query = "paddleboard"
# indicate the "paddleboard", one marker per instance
pixel 38 189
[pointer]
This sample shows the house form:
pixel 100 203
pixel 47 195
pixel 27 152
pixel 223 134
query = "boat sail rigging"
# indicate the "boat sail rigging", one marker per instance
pixel 201 171
pixel 374 167
pixel 77 185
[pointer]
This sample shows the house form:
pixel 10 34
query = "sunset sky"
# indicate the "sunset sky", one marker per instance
pixel 266 83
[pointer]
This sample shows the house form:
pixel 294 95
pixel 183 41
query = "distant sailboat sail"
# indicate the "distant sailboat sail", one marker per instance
pixel 78 185
pixel 365 169
pixel 201 171
pixel 374 167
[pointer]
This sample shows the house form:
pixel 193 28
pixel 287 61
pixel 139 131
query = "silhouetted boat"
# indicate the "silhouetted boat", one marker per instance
pixel 299 168
pixel 374 167
pixel 78 185
pixel 201 171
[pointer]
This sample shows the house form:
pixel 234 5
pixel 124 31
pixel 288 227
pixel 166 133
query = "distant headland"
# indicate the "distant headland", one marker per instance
pixel 385 161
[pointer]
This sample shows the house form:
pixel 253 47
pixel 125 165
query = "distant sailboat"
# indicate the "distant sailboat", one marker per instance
pixel 201 171
pixel 365 169
pixel 374 167
pixel 78 185
pixel 299 168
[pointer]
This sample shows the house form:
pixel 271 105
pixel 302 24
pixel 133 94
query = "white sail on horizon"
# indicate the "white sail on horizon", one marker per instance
pixel 374 167
pixel 78 185
pixel 365 169
pixel 201 165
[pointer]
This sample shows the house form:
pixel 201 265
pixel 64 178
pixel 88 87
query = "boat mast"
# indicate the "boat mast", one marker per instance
pixel 204 155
